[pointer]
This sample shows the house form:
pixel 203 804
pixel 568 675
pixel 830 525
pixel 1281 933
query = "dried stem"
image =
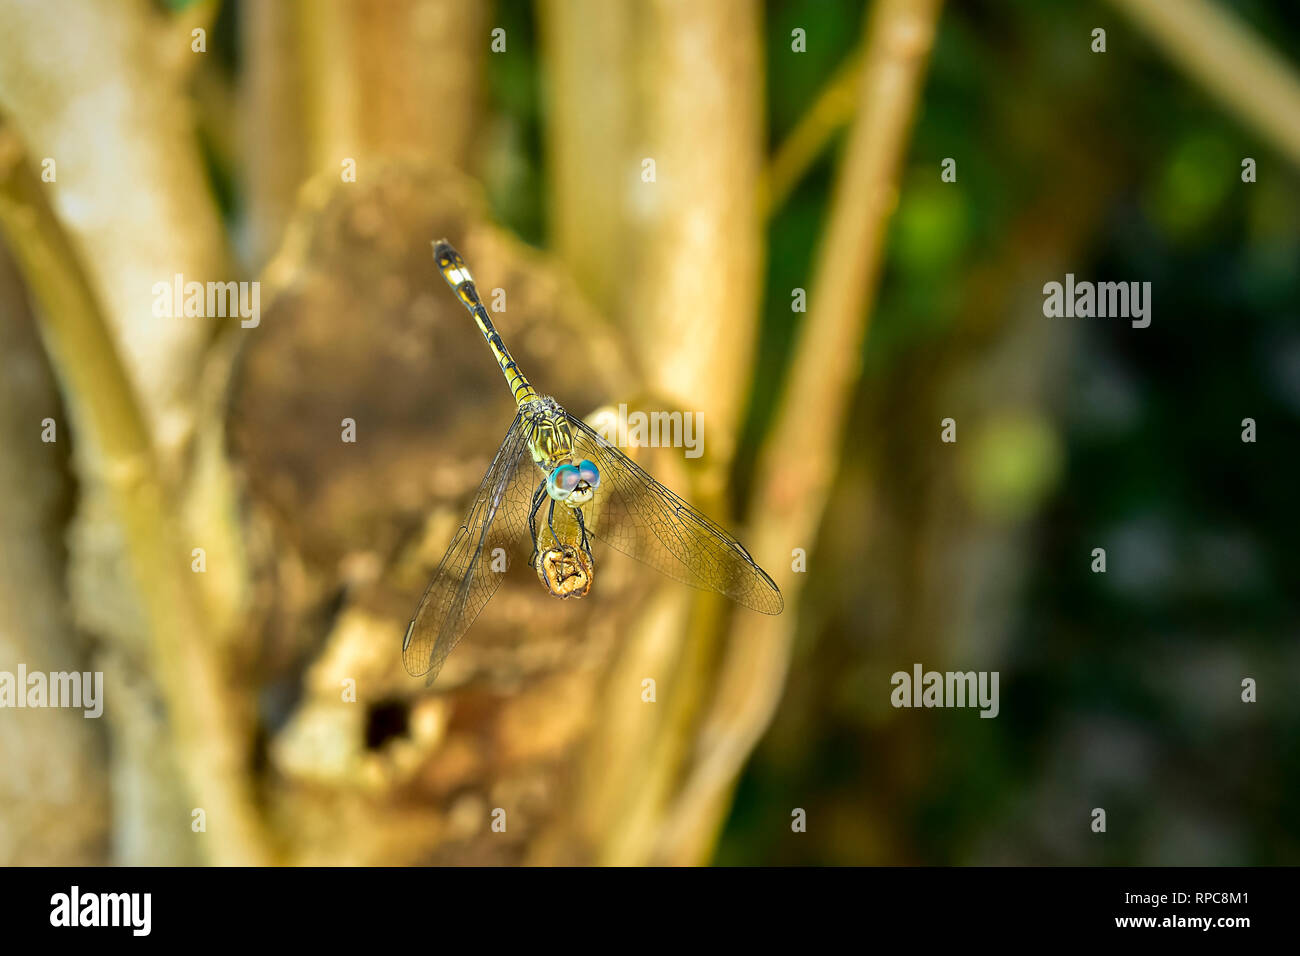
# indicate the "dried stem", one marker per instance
pixel 1235 65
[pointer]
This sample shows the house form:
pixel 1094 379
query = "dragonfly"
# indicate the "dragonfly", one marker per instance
pixel 560 482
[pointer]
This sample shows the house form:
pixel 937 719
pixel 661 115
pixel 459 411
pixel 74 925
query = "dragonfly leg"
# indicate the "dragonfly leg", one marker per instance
pixel 532 520
pixel 550 522
pixel 582 527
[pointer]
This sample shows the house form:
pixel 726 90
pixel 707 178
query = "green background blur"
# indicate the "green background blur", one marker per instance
pixel 1119 690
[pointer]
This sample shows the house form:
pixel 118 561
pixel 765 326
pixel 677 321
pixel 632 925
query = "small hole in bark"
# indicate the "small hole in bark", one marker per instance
pixel 387 719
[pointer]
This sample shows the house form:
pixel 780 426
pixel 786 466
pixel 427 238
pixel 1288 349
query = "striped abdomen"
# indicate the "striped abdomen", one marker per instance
pixel 452 267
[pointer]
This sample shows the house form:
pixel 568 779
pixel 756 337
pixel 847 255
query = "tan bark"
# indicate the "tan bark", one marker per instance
pixel 332 80
pixel 593 170
pixel 53 787
pixel 105 103
pixel 130 183
pixel 113 444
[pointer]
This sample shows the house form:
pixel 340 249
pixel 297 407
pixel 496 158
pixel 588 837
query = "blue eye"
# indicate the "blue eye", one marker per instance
pixel 561 482
pixel 589 473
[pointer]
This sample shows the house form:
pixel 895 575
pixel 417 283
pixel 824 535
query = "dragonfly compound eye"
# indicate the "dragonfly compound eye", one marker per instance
pixel 561 482
pixel 589 473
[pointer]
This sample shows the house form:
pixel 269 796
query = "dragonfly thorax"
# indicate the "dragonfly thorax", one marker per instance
pixel 551 440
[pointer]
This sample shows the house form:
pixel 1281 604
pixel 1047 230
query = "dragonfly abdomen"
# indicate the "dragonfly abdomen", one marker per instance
pixel 453 270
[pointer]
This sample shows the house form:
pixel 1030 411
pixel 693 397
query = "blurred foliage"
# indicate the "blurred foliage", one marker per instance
pixel 1119 690
pixel 511 165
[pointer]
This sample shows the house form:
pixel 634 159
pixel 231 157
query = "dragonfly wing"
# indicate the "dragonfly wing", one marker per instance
pixel 640 517
pixel 465 579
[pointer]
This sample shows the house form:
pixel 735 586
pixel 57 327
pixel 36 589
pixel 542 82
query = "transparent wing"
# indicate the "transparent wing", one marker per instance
pixel 465 580
pixel 640 517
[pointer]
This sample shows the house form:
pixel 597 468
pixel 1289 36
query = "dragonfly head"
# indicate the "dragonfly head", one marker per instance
pixel 573 484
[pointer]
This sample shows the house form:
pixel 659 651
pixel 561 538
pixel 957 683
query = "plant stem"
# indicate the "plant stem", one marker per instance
pixel 1230 61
